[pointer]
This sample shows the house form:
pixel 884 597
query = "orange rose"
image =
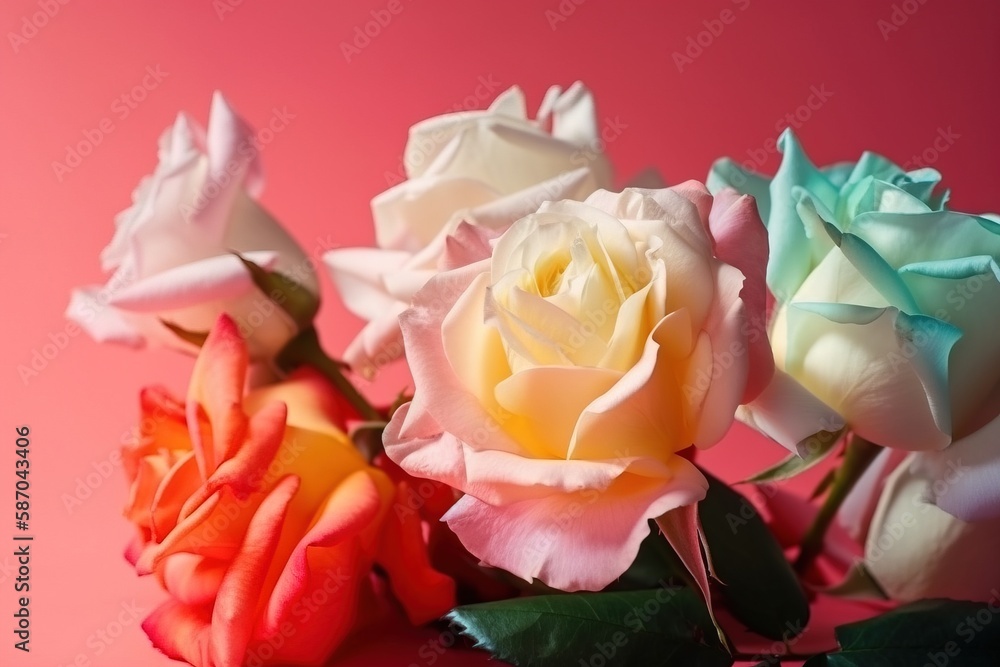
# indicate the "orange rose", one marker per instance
pixel 262 521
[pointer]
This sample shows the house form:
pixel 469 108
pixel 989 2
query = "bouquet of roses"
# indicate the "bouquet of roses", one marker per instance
pixel 572 348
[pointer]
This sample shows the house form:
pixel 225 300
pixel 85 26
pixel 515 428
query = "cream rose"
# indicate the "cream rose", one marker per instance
pixel 487 168
pixel 171 255
pixel 916 550
pixel 558 377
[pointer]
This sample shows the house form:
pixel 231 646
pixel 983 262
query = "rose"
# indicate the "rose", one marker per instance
pixel 488 168
pixel 172 250
pixel 557 380
pixel 887 302
pixel 915 550
pixel 262 521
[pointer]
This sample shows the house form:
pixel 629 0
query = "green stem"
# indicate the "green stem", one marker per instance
pixel 305 349
pixel 860 453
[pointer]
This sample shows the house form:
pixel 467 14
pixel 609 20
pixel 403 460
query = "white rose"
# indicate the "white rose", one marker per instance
pixel 488 168
pixel 171 255
pixel 916 550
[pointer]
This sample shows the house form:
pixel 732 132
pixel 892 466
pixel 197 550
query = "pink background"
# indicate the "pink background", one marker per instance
pixel 891 93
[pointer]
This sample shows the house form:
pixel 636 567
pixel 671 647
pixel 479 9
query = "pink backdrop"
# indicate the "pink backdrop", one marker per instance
pixel 894 76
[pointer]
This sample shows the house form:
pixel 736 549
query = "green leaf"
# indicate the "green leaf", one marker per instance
pixel 813 450
pixel 293 298
pixel 656 564
pixel 196 338
pixel 758 584
pixel 655 628
pixel 929 632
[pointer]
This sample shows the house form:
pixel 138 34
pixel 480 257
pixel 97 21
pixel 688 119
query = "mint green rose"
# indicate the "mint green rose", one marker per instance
pixel 887 310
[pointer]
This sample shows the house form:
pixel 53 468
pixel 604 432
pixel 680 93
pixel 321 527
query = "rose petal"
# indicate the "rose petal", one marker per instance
pixel 182 632
pixel 358 275
pixel 217 388
pixel 889 389
pixel 174 489
pixel 196 534
pixel 741 241
pixel 726 173
pixel 425 593
pixel 964 479
pixel 218 278
pixel 856 513
pixel 408 216
pixel 433 374
pixel 504 477
pixel 535 419
pixel 240 589
pixel 241 472
pixel 193 580
pixel 89 308
pixel 573 541
pixel 916 550
pixel 682 528
pixel 330 557
pixel 791 260
pixel 378 344
pixel 628 419
pixel 788 413
pixel 311 401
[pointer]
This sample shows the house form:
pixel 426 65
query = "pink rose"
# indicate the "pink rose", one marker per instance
pixel 560 374
pixel 172 258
